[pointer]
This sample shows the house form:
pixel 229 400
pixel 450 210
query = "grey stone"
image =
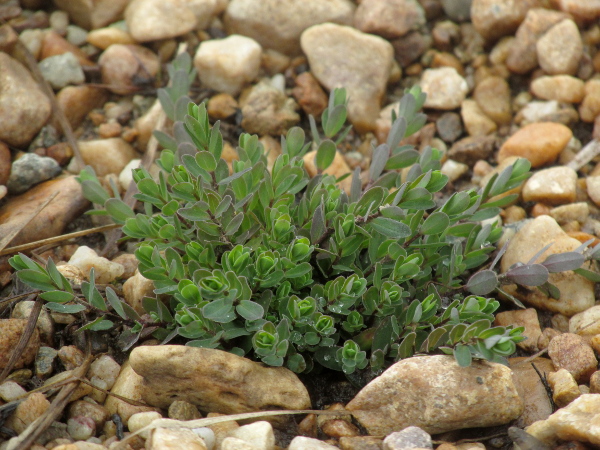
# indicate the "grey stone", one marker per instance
pixel 411 437
pixel 31 169
pixel 62 70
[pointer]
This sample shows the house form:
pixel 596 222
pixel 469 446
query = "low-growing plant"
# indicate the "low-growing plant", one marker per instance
pixel 293 270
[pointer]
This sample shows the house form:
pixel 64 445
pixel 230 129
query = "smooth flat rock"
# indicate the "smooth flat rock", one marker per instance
pixel 214 380
pixel 437 395
pixel 531 389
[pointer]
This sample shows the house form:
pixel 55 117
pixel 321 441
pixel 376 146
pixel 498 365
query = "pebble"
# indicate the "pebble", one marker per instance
pixel 126 175
pixel 577 293
pixel 444 87
pixel 107 156
pixel 560 49
pixel 84 408
pixel 586 323
pixel 232 443
pixel 360 443
pixel 44 324
pixel 389 18
pixel 139 420
pixel 68 204
pixel 278 24
pixel 11 390
pixel 493 19
pixel 5 163
pixel 410 437
pixel 586 11
pixel 268 111
pixel 105 37
pixel 454 170
pixel 564 214
pixel 409 48
pixel 309 94
pixel 449 126
pixel 76 35
pixel 62 70
pixel 86 258
pixel 54 44
pixel 10 334
pixel 531 389
pixel 340 55
pixel 221 106
pixel 91 15
pixel 471 149
pixel 174 439
pixel 28 411
pixel 182 410
pixel 589 110
pixel 29 170
pixel 306 443
pixel 33 41
pixel 152 20
pixel 571 352
pixel 81 428
pixel 562 88
pixel 564 387
pixel 125 68
pixel 227 65
pixel 554 186
pixel 77 102
pixel 337 168
pixel 540 143
pixel 573 422
pixel 492 95
pixel 477 396
pixel 135 289
pixel 526 318
pixel 258 434
pixel 476 121
pixel 44 362
pixel 522 57
pixel 24 108
pixel 71 357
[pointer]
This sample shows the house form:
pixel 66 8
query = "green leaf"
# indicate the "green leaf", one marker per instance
pixel 250 310
pixel 100 324
pixel 65 309
pixel 436 223
pixel 36 279
pixel 119 210
pixel 462 354
pixel 390 228
pixel 234 225
pixel 378 161
pixel 57 296
pixel 114 301
pixel 220 311
pixel 325 154
pixel 483 282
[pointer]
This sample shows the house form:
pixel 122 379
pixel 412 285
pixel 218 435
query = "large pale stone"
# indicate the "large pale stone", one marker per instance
pixel 560 49
pixel 437 395
pixel 107 155
pixel 496 18
pixel 341 56
pixel 151 20
pixel 577 293
pixel 214 380
pixel 555 186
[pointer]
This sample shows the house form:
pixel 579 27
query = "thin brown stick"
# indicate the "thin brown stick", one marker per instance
pixel 24 340
pixel 55 239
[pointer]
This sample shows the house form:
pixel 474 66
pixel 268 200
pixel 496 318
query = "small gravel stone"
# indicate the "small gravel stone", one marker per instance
pixel 409 48
pixel 54 44
pixel 71 357
pixel 571 352
pixel 222 106
pixel 578 212
pixel 91 15
pixel 595 382
pixel 258 434
pixel 152 20
pixel 84 408
pixel 76 35
pixel 449 126
pixel 590 108
pixel 454 170
pixel 493 97
pixel 107 155
pixel 410 437
pixel 105 37
pixel 564 387
pixel 306 443
pixel 309 94
pixel 10 390
pixel 343 56
pixel 554 186
pixel 28 411
pixel 5 163
pixel 62 70
pixel 139 420
pixel 174 439
pixel 389 18
pixel 268 111
pixel 81 428
pixel 31 169
pixel 182 410
pixel 77 102
pixel 338 167
pixel 587 11
pixel 562 88
pixel 532 389
pixel 496 18
pixel 586 323
pixel 476 121
pixel 471 149
pixel 232 443
pixel 10 333
pixel 526 318
pixel 44 322
pixel 560 49
pixel 127 67
pixel 227 65
pixel 135 289
pixel 540 143
pixel 44 362
pixel 106 271
pixel 444 87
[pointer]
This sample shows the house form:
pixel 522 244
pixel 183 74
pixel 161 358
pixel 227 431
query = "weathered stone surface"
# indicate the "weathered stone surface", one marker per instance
pixel 477 123
pixel 29 410
pixel 105 271
pixel 444 87
pixel 531 389
pixel 586 323
pixel 554 186
pixel 564 387
pixel 493 97
pixel 151 20
pixel 135 289
pixel 278 24
pixel 76 102
pixel 410 437
pixel 577 293
pixel 437 395
pixel 560 49
pixel 389 18
pixel 127 67
pixel 10 334
pixel 171 439
pixel 92 14
pixel 268 111
pixel 496 18
pixel 341 56
pixel 569 351
pixel 562 88
pixel 107 155
pixel 214 380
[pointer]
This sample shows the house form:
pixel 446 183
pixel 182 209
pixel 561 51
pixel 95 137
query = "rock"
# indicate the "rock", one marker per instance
pixel 214 380
pixel 306 443
pixel 540 143
pixel 93 14
pixel 475 120
pixel 152 20
pixel 454 170
pixel 585 11
pixel 360 443
pixel 97 413
pixel 554 186
pixel 267 110
pixel 522 57
pixel 564 387
pixel 586 323
pixel 28 411
pixel 564 214
pixel 76 35
pixel 258 434
pixel 410 47
pixel 5 163
pixel 139 420
pixel 232 443
pixel 562 88
pixel 337 428
pixel 54 44
pixel 573 422
pixel 496 18
pixel 76 102
pixel 11 390
pixel 471 149
pixel 493 97
pixel 44 324
pixel 437 395
pixel 62 70
pixel 531 389
pixel 337 168
pixel 105 37
pixel 86 258
pixel 29 170
pixel 410 437
pixel 71 357
pixel 309 94
pixel 594 382
pixel 390 19
pixel 449 126
pixel 444 87
pixel 182 410
pixel 130 385
pixel 146 124
pixel 222 106
pixel 171 439
pixel 51 221
pixel 571 352
pixel 590 108
pixel 221 430
pixel 107 155
pixel 81 428
pixel 577 293
pixel 560 49
pixel 24 108
pixel 526 318
pixel 126 175
pixel 126 68
pixel 227 65
pixel 135 289
pixel 278 24
pixel 593 188
pixel 10 334
pixel 341 56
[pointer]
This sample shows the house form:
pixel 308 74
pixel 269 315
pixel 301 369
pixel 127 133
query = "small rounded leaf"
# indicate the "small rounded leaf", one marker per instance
pixel 561 262
pixel 528 274
pixel 483 282
pixel 325 154
pixel 436 223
